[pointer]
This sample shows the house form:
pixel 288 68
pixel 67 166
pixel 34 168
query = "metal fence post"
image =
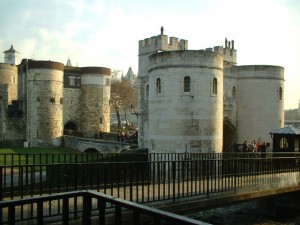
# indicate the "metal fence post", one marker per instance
pixel 87 207
pixel 174 178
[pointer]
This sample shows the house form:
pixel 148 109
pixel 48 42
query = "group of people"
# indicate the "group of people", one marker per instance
pixel 255 147
pixel 129 136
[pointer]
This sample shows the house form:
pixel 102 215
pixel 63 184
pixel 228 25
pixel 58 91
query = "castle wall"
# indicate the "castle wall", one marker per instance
pixel 71 106
pixel 45 103
pixel 260 106
pixel 72 96
pixel 95 95
pixel 182 121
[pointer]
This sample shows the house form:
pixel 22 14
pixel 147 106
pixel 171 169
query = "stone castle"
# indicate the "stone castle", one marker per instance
pixel 201 100
pixel 42 100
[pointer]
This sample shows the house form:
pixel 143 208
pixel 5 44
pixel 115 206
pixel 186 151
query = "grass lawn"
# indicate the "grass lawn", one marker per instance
pixel 23 156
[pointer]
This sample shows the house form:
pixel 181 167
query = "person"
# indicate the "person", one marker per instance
pixel 258 145
pixel 264 150
pixel 245 146
pixel 235 146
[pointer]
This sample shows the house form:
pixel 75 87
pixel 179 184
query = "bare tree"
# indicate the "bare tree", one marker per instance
pixel 123 97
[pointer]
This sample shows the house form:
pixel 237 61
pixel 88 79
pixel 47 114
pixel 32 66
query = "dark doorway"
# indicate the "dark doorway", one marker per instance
pixel 229 135
pixel 70 128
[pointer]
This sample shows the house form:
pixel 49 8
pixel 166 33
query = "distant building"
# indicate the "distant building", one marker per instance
pixel 130 76
pixel 201 101
pixel 42 100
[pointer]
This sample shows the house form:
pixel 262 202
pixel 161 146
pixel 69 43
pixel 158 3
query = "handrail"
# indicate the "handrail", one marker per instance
pixel 87 196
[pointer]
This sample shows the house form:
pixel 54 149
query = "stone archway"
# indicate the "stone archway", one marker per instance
pixel 70 128
pixel 229 135
pixel 91 150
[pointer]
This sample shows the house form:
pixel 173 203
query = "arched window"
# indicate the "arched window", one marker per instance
pixel 280 94
pixel 234 93
pixel 187 84
pixel 147 92
pixel 215 86
pixel 158 86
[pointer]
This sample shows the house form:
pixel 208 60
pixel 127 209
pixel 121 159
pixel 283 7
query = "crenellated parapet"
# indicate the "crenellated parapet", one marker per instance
pixel 161 43
pixel 228 52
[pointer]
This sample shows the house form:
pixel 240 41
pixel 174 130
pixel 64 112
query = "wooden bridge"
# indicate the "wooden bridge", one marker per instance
pixel 177 183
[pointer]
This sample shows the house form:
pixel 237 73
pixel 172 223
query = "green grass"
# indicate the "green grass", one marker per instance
pixel 23 156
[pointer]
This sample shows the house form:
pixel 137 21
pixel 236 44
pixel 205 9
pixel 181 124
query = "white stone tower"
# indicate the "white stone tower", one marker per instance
pixel 147 47
pixel 11 56
pixel 186 101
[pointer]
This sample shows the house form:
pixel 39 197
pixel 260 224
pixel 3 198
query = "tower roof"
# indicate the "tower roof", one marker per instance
pixel 69 62
pixel 11 49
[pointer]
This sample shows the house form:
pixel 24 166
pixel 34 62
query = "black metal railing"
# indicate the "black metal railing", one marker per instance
pixel 25 159
pixel 84 207
pixel 146 181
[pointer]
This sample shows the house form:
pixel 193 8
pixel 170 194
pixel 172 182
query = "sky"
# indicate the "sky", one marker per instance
pixel 106 33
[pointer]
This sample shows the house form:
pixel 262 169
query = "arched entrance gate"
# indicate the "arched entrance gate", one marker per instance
pixel 229 135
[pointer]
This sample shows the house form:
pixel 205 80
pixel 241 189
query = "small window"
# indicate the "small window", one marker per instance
pixel 52 100
pixel 13 80
pixel 61 100
pixel 147 92
pixel 38 99
pixel 72 81
pixel 215 86
pixel 187 84
pixel 284 143
pixel 100 119
pixel 280 94
pixel 158 86
pixel 234 93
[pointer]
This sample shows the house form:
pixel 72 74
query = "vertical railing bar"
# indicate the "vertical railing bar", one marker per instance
pixel 65 211
pixel 40 210
pixel 118 215
pixel 87 207
pixel 101 208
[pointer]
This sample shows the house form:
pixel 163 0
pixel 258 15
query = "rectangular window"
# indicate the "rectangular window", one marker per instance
pixel 72 81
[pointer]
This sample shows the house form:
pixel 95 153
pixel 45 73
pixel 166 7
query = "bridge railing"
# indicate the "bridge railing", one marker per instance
pixel 83 207
pixel 146 181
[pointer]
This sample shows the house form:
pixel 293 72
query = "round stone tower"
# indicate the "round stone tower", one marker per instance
pixel 95 95
pixel 260 97
pixel 44 103
pixel 185 101
pixel 9 80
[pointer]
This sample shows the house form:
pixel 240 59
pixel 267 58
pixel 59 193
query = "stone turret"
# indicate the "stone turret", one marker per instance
pixel 45 103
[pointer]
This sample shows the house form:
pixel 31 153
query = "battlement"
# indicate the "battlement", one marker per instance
pixel 229 53
pixel 161 43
